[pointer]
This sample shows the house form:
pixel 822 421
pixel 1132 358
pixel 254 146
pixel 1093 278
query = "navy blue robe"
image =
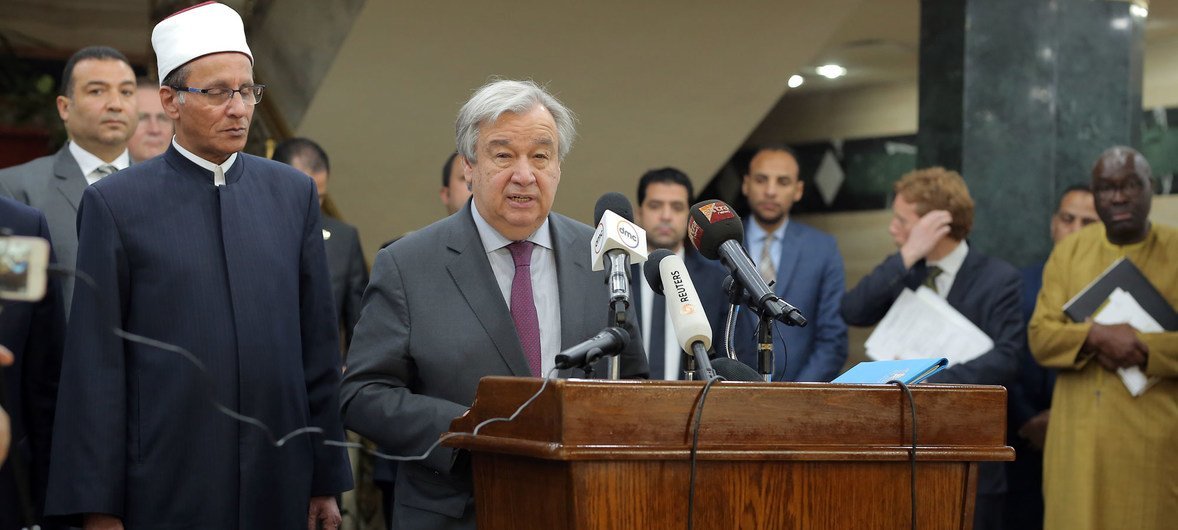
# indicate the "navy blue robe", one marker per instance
pixel 34 332
pixel 236 275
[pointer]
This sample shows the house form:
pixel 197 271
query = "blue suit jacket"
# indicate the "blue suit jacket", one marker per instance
pixel 809 277
pixel 986 291
pixel 34 332
pixel 708 278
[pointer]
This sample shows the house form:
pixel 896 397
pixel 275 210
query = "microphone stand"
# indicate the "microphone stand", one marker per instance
pixel 689 367
pixel 765 347
pixel 616 318
pixel 700 354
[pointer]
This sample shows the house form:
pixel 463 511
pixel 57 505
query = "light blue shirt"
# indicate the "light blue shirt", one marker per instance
pixel 545 291
pixel 755 239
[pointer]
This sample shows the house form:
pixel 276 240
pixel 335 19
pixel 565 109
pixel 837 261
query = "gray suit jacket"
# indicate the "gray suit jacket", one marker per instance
pixel 434 322
pixel 54 185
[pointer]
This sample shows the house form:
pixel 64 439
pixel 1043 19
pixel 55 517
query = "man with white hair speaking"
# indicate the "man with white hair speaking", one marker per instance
pixel 219 253
pixel 498 288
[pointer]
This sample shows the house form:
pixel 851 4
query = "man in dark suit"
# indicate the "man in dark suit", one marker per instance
pixel 98 106
pixel 220 253
pixel 664 196
pixel 500 288
pixel 805 265
pixel 455 191
pixel 32 332
pixel 341 241
pixel 933 214
pixel 1030 396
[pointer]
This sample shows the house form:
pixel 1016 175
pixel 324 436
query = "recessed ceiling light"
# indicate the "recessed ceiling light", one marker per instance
pixel 831 71
pixel 795 81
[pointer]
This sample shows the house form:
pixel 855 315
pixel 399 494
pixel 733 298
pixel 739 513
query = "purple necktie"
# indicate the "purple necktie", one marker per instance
pixel 523 306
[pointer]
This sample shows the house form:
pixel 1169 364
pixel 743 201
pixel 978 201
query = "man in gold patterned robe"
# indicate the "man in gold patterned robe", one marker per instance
pixel 1110 457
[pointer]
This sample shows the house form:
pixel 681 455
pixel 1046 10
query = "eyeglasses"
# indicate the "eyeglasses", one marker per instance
pixel 250 94
pixel 1129 189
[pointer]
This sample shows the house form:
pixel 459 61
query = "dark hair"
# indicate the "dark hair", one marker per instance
pixel 101 53
pixel 304 149
pixel 770 147
pixel 667 174
pixel 177 77
pixel 1074 187
pixel 446 169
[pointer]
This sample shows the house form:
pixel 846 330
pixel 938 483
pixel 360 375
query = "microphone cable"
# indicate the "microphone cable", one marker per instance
pixel 911 452
pixel 259 424
pixel 694 427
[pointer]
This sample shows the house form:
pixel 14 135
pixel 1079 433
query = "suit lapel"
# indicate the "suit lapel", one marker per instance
pixel 472 273
pixel 570 281
pixel 963 279
pixel 790 251
pixel 68 180
pixel 636 280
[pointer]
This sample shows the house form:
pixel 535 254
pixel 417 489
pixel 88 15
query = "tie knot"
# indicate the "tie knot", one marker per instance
pixel 521 253
pixel 105 170
pixel 930 280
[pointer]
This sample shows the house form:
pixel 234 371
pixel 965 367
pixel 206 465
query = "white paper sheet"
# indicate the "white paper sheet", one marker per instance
pixel 1122 308
pixel 921 324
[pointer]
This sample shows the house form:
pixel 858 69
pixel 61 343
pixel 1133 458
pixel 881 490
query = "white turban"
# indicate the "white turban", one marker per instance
pixel 207 28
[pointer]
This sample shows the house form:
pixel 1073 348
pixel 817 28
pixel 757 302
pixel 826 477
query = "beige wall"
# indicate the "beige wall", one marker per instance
pixel 654 83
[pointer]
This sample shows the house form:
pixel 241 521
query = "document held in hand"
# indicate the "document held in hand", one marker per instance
pixel 920 325
pixel 908 371
pixel 1123 295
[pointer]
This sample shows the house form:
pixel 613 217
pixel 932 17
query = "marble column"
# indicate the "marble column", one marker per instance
pixel 1021 96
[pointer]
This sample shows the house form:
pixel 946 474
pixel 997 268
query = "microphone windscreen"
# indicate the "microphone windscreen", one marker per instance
pixel 650 269
pixel 614 202
pixel 733 370
pixel 712 223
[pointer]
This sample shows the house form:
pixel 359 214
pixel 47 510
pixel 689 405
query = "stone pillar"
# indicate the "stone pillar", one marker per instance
pixel 1021 96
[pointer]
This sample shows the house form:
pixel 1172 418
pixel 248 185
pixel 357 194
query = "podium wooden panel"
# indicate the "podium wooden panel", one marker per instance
pixel 615 454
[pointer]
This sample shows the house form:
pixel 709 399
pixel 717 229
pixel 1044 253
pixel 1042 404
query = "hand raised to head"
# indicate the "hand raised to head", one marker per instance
pixel 925 235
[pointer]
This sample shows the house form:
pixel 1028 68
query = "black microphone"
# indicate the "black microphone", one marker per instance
pixel 716 231
pixel 734 370
pixel 609 341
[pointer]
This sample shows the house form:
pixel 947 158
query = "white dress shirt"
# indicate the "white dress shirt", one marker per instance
pixel 89 163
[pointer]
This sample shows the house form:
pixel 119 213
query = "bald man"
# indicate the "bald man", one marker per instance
pixel 1108 461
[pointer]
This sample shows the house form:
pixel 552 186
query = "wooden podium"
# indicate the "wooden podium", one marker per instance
pixel 615 454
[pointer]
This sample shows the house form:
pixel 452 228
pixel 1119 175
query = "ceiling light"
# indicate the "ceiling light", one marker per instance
pixel 1138 10
pixel 795 81
pixel 831 71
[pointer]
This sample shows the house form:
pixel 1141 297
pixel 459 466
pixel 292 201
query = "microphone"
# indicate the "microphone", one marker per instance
pixel 734 370
pixel 609 341
pixel 617 243
pixel 716 231
pixel 24 265
pixel 666 271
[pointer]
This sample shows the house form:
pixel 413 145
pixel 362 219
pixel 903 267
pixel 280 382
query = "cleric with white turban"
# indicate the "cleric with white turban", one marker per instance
pixel 219 254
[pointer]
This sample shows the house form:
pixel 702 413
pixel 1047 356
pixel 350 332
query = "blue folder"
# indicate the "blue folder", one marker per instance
pixel 908 371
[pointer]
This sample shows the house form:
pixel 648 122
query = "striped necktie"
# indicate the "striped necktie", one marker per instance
pixel 765 263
